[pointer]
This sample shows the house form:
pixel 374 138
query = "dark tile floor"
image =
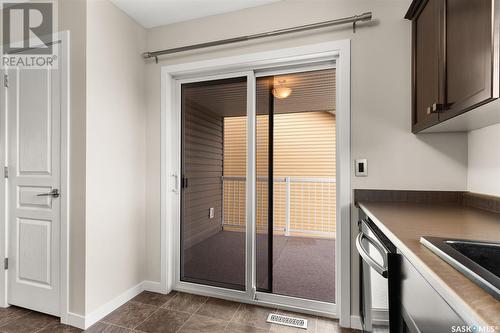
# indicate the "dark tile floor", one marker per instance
pixel 175 312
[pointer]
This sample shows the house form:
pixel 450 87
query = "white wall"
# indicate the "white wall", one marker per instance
pixel 116 154
pixel 381 63
pixel 72 17
pixel 484 161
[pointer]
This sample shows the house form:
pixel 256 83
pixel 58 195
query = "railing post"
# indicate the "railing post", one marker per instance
pixel 223 204
pixel 287 215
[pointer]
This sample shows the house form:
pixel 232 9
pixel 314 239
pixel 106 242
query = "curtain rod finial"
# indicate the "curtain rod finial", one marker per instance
pixel 146 55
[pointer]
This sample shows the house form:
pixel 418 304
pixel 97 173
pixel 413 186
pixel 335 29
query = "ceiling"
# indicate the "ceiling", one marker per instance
pixel 153 13
pixel 311 91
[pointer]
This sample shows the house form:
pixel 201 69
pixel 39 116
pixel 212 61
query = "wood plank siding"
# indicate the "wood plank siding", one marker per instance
pixel 202 166
pixel 304 147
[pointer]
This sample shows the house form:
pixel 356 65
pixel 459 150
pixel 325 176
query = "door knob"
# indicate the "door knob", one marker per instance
pixel 54 194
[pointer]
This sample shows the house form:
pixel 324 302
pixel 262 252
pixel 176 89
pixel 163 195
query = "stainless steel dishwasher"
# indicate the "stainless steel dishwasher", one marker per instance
pixel 386 262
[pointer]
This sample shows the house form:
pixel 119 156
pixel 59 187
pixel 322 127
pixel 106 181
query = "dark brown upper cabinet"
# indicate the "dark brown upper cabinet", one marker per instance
pixel 455 58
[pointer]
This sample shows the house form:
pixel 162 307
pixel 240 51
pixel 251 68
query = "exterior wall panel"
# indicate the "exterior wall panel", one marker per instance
pixel 304 147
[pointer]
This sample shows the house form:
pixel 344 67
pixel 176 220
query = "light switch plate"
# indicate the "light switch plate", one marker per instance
pixel 361 167
pixel 211 213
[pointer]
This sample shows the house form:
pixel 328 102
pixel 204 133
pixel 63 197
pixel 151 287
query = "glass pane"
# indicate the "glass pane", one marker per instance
pixel 213 198
pixel 296 238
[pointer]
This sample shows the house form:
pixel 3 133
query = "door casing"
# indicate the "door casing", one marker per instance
pixel 63 67
pixel 283 60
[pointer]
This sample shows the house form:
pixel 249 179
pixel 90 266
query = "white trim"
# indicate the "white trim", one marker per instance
pixel 75 320
pixel 250 260
pixel 254 61
pixel 295 69
pixel 64 57
pixel 170 126
pixel 165 150
pixel 84 322
pixel 64 54
pixel 262 299
pixel 380 317
pixel 3 194
pixel 153 286
pixel 175 161
pixel 343 179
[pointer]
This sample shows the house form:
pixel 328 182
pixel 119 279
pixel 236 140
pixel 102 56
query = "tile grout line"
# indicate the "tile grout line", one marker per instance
pixel 139 324
pixel 180 327
pixel 235 312
pixel 158 308
pixel 191 315
pixel 232 317
pixel 114 325
pixel 103 320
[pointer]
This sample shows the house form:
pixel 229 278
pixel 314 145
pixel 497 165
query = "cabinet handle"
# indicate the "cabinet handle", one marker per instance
pixel 438 107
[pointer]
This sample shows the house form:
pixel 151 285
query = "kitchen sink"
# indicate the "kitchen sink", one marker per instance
pixel 478 260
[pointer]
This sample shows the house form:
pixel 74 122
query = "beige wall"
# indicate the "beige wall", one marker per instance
pixel 380 95
pixel 116 158
pixel 484 161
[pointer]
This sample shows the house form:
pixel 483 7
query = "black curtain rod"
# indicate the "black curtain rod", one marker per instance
pixel 351 19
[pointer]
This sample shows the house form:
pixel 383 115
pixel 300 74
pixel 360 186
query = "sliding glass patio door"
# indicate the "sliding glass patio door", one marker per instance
pixel 213 207
pixel 296 186
pixel 258 188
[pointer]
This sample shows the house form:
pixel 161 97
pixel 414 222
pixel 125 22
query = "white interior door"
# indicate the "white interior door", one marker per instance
pixel 34 145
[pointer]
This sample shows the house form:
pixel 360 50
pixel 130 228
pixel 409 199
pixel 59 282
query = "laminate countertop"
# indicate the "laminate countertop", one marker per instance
pixel 405 223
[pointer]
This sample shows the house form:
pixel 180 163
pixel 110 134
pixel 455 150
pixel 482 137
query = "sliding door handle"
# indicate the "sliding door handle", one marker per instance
pixel 176 183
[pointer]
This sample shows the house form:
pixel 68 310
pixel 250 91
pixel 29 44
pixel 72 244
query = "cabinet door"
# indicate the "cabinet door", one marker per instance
pixel 470 64
pixel 427 52
pixel 424 310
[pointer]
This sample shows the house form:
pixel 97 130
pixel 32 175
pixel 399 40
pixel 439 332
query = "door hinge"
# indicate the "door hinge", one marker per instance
pixel 5 172
pixel 6 263
pixel 5 80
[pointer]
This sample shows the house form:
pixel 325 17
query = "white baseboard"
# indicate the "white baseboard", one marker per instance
pixel 84 322
pixel 154 287
pixel 73 319
pixel 379 317
pixel 112 305
pixel 356 322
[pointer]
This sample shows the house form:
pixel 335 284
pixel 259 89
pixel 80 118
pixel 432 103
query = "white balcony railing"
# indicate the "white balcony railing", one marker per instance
pixel 301 205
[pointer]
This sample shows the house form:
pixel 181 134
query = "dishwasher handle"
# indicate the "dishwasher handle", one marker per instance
pixel 382 270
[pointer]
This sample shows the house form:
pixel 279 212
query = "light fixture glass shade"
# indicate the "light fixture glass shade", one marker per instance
pixel 282 92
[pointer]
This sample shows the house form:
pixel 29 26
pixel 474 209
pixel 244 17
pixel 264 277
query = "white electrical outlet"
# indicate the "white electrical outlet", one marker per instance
pixel 361 167
pixel 211 213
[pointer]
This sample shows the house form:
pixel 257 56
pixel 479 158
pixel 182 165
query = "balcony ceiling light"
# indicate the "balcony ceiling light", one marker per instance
pixel 281 91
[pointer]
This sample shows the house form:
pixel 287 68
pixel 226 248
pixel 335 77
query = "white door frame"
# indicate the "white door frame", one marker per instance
pixel 63 67
pixel 338 51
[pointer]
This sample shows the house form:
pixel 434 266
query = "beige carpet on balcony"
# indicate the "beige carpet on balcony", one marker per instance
pixel 302 267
